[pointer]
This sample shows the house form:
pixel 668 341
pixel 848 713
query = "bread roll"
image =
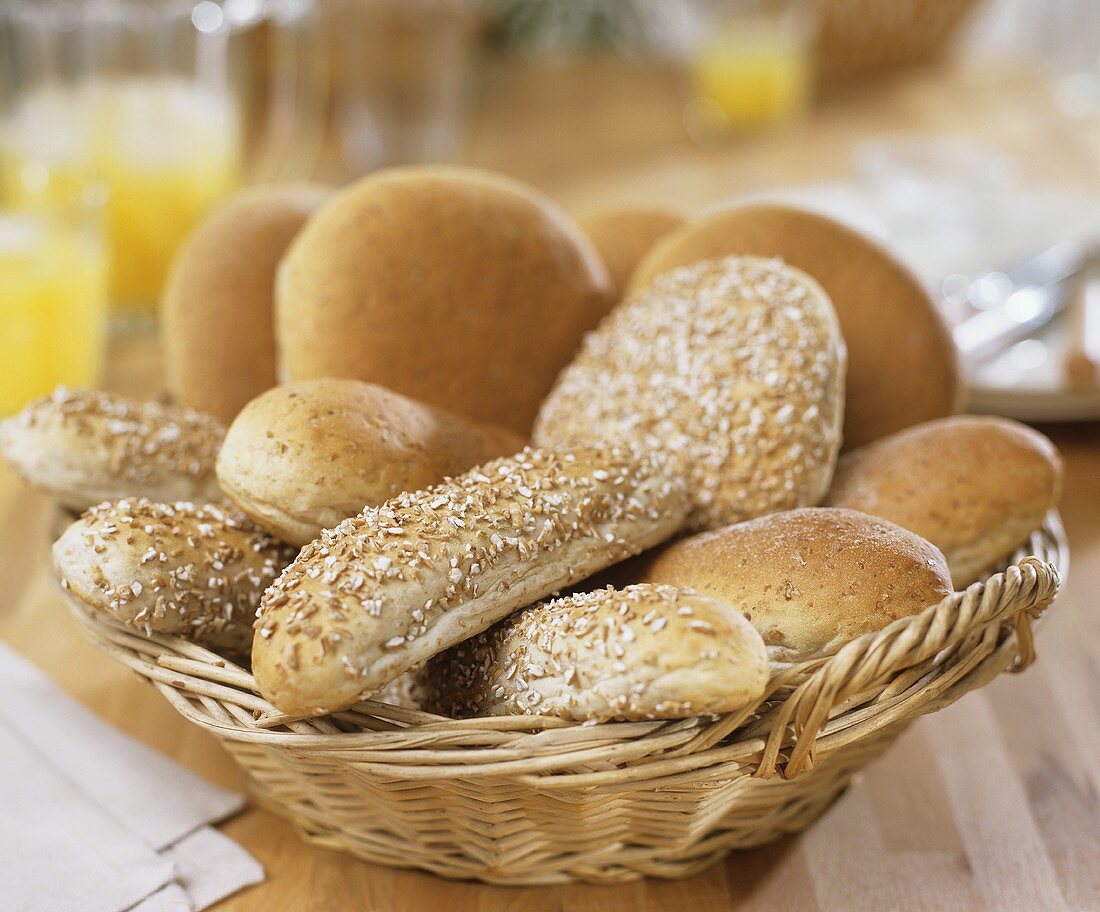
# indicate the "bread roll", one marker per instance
pixel 455 287
pixel 975 487
pixel 809 580
pixel 902 366
pixel 218 309
pixel 304 456
pixel 392 587
pixel 643 652
pixel 734 367
pixel 86 446
pixel 195 571
pixel 623 235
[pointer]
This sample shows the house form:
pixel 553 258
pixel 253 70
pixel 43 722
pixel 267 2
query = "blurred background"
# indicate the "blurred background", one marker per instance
pixel 963 133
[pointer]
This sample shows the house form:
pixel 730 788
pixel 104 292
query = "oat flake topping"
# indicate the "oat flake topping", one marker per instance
pixel 734 367
pixel 422 553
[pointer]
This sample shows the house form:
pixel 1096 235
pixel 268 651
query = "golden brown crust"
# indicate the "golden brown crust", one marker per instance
pixel 733 367
pixel 304 456
pixel 399 583
pixel 643 652
pixel 809 580
pixel 218 320
pixel 449 285
pixel 902 366
pixel 87 446
pixel 193 570
pixel 975 487
pixel 623 235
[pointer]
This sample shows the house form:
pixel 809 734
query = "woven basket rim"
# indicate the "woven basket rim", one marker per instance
pixel 820 704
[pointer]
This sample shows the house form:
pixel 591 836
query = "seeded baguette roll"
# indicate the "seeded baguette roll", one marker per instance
pixel 734 367
pixel 86 446
pixel 400 583
pixel 809 580
pixel 974 486
pixel 304 456
pixel 902 366
pixel 643 652
pixel 193 570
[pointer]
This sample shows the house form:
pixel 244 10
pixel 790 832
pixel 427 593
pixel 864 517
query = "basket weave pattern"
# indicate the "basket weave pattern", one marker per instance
pixel 861 38
pixel 528 800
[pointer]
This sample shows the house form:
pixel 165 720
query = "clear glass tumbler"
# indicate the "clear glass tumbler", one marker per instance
pixel 400 71
pixel 53 295
pixel 754 68
pixel 143 106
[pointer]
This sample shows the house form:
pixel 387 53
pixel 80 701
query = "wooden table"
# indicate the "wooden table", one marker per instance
pixel 991 804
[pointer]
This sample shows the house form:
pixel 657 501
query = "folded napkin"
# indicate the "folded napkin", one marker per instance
pixel 97 822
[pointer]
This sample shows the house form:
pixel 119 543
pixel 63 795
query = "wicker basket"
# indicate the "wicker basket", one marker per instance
pixel 860 38
pixel 534 801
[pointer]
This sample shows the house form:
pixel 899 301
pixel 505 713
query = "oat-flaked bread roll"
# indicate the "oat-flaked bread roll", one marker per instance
pixel 193 570
pixel 734 367
pixel 304 456
pixel 643 652
pixel 809 580
pixel 622 235
pixel 218 324
pixel 400 583
pixel 973 486
pixel 453 286
pixel 86 446
pixel 902 366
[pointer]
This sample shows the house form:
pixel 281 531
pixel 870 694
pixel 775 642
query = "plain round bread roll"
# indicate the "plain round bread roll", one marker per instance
pixel 975 487
pixel 304 456
pixel 449 285
pixel 643 652
pixel 809 580
pixel 623 235
pixel 196 571
pixel 734 367
pixel 399 583
pixel 218 327
pixel 902 365
pixel 86 446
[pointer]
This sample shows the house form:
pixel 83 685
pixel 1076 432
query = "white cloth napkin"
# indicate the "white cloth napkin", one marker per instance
pixel 93 821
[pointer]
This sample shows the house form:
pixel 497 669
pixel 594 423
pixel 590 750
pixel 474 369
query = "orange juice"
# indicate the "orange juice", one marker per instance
pixel 162 150
pixel 755 71
pixel 53 288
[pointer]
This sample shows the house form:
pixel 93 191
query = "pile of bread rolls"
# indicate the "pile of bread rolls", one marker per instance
pixel 419 424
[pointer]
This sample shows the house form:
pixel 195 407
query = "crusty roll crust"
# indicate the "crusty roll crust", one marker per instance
pixel 218 315
pixel 974 486
pixel 193 570
pixel 622 235
pixel 85 446
pixel 809 580
pixel 456 287
pixel 643 652
pixel 304 456
pixel 902 365
pixel 734 367
pixel 400 583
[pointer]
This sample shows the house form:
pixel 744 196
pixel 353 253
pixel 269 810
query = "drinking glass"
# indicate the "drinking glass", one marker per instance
pixel 53 294
pixel 754 68
pixel 145 107
pixel 400 71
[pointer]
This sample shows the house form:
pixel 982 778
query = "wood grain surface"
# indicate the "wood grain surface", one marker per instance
pixel 991 804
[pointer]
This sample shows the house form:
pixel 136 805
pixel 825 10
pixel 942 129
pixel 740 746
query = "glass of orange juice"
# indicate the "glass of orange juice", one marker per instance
pixel 133 99
pixel 754 69
pixel 53 297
